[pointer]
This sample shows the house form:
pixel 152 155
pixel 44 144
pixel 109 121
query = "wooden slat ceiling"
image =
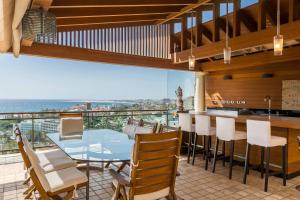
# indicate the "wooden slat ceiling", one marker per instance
pixel 86 14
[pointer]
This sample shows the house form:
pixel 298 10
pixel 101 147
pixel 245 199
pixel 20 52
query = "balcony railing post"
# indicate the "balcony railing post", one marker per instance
pixel 89 123
pixel 167 118
pixel 32 131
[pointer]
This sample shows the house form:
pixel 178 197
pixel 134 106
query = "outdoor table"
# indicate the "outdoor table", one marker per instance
pixel 101 146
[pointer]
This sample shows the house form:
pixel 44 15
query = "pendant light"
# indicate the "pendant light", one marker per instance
pixel 278 39
pixel 227 49
pixel 192 59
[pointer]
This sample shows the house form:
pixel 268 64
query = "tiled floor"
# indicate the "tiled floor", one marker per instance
pixel 194 183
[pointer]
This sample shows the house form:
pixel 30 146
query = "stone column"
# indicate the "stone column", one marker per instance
pixel 199 98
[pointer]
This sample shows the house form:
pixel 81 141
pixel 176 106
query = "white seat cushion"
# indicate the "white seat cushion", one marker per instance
pixel 64 178
pixel 278 141
pixel 56 164
pixel 150 196
pixel 240 135
pixel 54 160
pixel 212 132
pixel 51 154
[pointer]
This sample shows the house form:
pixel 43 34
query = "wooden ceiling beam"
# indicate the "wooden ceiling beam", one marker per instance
pixel 236 22
pixel 248 20
pixel 71 53
pixel 183 11
pixel 104 25
pixel 253 60
pixel 119 3
pixel 116 11
pixel 222 25
pixel 290 31
pixel 108 20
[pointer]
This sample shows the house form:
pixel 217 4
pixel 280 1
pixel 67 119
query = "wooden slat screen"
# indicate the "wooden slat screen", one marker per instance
pixel 149 40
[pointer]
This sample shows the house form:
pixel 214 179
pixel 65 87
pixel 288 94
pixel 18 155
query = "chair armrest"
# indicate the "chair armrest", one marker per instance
pixel 121 179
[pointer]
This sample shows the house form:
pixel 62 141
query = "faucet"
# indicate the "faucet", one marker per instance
pixel 269 100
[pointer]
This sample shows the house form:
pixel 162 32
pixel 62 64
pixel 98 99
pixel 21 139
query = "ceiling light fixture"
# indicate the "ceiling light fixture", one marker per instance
pixel 192 58
pixel 227 49
pixel 278 39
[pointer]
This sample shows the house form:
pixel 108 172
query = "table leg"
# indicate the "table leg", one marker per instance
pixel 88 183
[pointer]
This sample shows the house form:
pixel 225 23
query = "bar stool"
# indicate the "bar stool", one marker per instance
pixel 203 128
pixel 259 133
pixel 226 132
pixel 186 124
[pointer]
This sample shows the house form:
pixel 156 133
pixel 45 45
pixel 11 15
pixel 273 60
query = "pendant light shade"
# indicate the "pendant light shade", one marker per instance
pixel 278 39
pixel 227 49
pixel 278 45
pixel 227 55
pixel 192 61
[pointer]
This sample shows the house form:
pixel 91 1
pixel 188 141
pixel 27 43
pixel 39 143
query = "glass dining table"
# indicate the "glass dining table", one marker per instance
pixel 93 146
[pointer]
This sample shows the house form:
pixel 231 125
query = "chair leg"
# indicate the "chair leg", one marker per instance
pixel 231 158
pixel 69 196
pixel 26 181
pixel 123 193
pixel 224 153
pixel 262 160
pixel 204 147
pixel 189 147
pixel 284 161
pixel 194 148
pixel 267 169
pixel 207 152
pixel 246 163
pixel 215 155
pixel 209 139
pixel 117 193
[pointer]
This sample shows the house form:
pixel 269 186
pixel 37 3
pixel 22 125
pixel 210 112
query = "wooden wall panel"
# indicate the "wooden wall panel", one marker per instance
pixel 248 86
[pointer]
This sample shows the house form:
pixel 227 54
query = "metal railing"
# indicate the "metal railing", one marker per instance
pixel 37 124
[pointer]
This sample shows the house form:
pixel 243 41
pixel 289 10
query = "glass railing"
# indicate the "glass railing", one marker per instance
pixel 36 125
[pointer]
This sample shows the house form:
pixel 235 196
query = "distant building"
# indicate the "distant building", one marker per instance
pixel 26 126
pixel 41 125
pixel 49 126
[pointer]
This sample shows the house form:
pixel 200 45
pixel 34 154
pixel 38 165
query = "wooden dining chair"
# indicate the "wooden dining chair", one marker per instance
pixel 27 164
pixel 153 168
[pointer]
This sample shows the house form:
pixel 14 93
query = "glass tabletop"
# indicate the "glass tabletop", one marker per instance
pixel 96 146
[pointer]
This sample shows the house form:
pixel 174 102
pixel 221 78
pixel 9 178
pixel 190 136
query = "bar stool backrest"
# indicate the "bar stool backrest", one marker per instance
pixel 185 122
pixel 202 125
pixel 225 128
pixel 259 133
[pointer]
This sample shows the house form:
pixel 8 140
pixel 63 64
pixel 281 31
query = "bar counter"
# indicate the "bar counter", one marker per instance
pixel 288 127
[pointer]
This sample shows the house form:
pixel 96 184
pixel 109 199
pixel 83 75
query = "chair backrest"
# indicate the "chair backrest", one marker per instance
pixel 20 143
pixel 202 125
pixel 259 132
pixel 154 164
pixel 70 115
pixel 32 168
pixel 185 122
pixel 225 128
pixel 71 126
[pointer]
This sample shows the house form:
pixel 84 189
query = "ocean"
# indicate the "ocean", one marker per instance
pixel 40 105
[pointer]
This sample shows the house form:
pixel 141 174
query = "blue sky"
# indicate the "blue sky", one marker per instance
pixel 44 78
pixel 30 77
